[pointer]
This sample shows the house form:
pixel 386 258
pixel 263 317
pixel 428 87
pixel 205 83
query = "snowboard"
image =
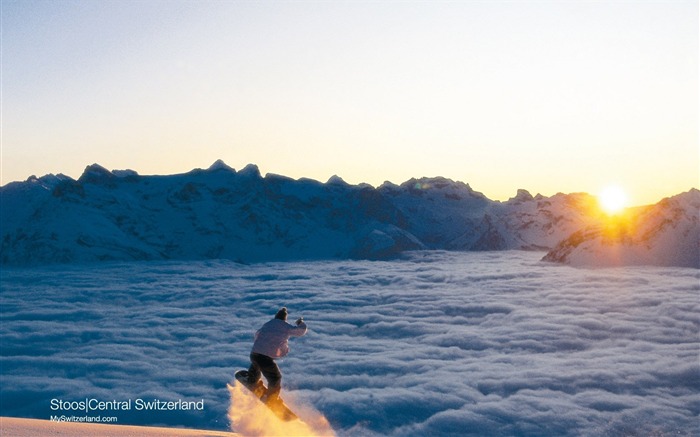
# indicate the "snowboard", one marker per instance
pixel 278 407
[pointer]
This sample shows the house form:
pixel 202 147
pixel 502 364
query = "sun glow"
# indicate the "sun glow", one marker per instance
pixel 612 199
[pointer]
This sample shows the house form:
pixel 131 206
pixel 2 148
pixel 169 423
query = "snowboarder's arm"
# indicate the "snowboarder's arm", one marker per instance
pixel 299 330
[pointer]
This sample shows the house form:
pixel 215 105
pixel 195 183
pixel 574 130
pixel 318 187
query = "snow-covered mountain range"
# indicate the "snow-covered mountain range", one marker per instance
pixel 223 213
pixel 665 234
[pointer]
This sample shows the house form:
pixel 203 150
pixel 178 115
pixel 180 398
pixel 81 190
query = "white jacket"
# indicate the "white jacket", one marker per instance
pixel 272 338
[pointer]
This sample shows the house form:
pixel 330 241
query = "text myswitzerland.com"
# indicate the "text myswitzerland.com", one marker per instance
pixel 85 419
pixel 89 405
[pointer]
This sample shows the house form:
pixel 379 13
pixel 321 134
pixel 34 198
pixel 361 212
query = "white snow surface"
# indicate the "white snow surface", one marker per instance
pixel 435 343
pixel 665 234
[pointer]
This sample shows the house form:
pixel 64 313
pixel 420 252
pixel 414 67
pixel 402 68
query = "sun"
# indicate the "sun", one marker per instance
pixel 612 199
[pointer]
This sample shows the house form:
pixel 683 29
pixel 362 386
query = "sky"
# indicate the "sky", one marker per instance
pixel 547 96
pixel 440 343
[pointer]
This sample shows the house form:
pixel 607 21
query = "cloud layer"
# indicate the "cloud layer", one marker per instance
pixel 438 343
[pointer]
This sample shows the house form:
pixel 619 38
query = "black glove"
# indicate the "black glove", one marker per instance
pixel 300 320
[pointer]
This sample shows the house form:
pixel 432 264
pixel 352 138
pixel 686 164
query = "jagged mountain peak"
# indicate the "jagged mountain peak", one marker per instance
pixel 219 164
pixel 95 173
pixel 336 180
pixel 389 186
pixel 426 183
pixel 250 170
pixel 436 183
pixel 521 196
pixel 48 178
pixel 690 198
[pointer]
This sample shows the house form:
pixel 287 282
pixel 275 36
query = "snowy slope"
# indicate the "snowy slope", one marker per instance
pixel 530 223
pixel 666 234
pixel 240 215
pixel 17 427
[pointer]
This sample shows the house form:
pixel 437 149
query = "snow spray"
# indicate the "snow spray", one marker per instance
pixel 249 417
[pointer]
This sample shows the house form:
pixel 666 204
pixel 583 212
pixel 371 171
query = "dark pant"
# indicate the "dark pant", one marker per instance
pixel 262 363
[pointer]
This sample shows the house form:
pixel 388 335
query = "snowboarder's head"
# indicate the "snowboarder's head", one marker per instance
pixel 281 314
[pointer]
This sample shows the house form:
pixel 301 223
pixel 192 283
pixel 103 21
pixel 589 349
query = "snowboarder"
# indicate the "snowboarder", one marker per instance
pixel 271 342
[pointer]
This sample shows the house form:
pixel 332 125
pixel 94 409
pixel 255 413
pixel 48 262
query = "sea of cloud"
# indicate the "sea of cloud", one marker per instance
pixel 437 343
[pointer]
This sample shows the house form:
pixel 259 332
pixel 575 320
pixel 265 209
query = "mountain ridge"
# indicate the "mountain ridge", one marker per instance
pixel 220 212
pixel 664 234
